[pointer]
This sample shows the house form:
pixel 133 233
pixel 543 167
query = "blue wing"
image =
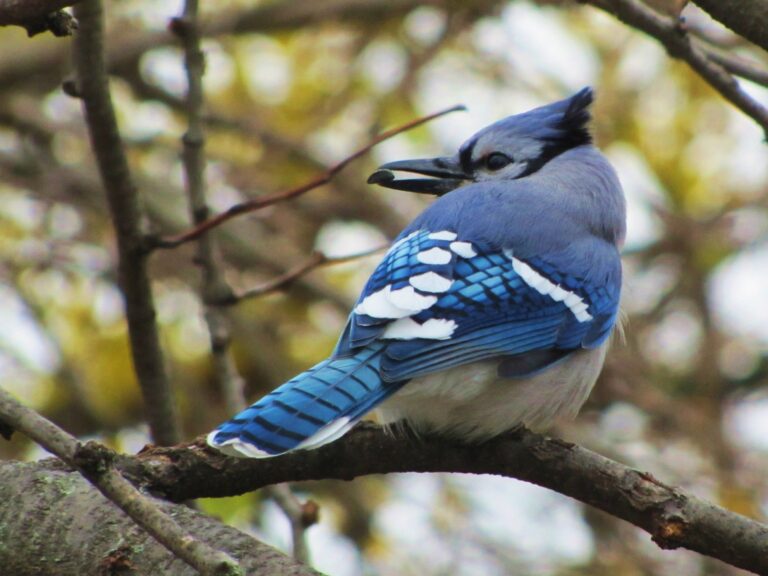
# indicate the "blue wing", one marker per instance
pixel 436 301
pixel 440 300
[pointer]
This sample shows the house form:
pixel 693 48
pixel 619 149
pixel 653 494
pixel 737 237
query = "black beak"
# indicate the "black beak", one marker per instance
pixel 447 174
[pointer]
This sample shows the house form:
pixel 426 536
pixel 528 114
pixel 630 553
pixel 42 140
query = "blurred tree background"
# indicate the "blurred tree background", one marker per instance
pixel 292 87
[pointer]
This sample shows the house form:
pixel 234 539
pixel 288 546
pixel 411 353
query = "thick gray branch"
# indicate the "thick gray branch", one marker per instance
pixel 95 462
pixel 59 525
pixel 674 518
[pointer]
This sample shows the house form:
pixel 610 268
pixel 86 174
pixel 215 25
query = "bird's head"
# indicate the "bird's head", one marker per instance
pixel 514 147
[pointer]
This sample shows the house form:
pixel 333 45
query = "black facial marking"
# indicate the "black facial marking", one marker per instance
pixel 572 131
pixel 535 165
pixel 465 156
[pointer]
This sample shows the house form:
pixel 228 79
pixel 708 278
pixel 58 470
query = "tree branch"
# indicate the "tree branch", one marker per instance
pixel 674 518
pixel 300 516
pixel 95 462
pixel 738 66
pixel 38 16
pixel 264 18
pixel 324 178
pixel 58 525
pixel 213 286
pixel 125 213
pixel 670 32
pixel 748 18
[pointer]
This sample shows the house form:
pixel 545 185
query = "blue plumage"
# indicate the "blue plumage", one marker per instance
pixel 499 281
pixel 336 391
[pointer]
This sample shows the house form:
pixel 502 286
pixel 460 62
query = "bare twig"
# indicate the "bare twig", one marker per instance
pixel 213 283
pixel 316 260
pixel 124 210
pixel 96 463
pixel 671 33
pixel 300 515
pixel 739 66
pixel 324 178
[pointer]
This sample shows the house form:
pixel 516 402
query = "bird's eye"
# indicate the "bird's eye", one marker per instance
pixel 497 161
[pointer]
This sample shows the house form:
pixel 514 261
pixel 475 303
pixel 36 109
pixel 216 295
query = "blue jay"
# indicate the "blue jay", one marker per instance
pixel 491 310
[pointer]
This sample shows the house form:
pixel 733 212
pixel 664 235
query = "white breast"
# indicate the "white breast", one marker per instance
pixel 473 403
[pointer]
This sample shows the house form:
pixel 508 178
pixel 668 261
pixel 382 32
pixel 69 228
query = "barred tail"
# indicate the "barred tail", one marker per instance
pixel 314 408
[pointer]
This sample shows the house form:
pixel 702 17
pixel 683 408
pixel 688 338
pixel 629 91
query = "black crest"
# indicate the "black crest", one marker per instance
pixel 574 121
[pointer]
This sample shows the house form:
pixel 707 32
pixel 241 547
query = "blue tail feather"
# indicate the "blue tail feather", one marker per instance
pixel 310 410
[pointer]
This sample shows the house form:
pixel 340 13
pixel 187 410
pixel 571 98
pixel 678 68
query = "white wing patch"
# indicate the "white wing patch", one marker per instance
pixel 432 329
pixel 385 303
pixel 463 249
pixel 558 294
pixel 443 235
pixel 430 282
pixel 408 299
pixel 434 256
pixel 543 285
pixel 420 294
pixel 378 305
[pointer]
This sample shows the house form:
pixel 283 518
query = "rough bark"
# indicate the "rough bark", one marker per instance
pixel 38 16
pixel 59 525
pixel 674 518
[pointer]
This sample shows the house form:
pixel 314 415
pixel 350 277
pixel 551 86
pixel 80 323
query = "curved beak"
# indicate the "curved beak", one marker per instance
pixel 446 174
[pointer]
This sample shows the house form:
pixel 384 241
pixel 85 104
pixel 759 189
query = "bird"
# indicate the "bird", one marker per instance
pixel 492 310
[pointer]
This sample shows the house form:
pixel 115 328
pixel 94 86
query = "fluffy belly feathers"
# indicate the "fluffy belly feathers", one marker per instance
pixel 471 402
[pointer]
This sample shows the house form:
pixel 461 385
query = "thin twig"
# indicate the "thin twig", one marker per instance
pixel 324 178
pixel 316 260
pixel 213 284
pixel 738 66
pixel 125 213
pixel 673 36
pixel 95 462
pixel 300 515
